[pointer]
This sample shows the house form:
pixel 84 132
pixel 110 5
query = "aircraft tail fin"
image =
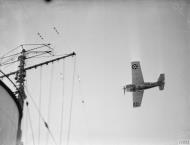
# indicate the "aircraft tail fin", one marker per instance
pixel 161 81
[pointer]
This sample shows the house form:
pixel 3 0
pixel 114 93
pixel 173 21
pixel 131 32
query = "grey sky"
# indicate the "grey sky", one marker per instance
pixel 107 36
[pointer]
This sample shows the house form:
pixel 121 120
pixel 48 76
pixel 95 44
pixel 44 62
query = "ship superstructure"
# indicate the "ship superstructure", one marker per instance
pixel 19 95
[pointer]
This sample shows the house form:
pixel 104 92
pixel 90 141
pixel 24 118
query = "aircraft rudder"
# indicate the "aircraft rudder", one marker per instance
pixel 161 81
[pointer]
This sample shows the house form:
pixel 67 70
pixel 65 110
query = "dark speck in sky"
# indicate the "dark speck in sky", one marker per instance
pixel 48 1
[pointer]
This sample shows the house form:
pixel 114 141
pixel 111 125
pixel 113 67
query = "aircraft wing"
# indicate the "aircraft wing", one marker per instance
pixel 137 77
pixel 137 98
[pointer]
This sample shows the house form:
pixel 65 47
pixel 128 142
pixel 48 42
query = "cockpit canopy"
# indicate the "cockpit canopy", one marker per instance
pixel 130 88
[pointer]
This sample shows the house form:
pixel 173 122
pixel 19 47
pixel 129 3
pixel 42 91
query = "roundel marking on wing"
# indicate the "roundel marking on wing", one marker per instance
pixel 134 66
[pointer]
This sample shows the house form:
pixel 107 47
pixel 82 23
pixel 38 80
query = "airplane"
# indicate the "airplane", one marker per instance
pixel 138 85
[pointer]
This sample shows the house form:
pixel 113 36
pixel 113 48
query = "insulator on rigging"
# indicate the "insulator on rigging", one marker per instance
pixel 40 35
pixel 46 125
pixel 55 29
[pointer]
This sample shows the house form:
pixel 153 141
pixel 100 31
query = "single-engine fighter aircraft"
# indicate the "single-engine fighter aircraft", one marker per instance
pixel 138 85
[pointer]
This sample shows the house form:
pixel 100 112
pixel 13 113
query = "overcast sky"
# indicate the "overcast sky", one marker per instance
pixel 107 36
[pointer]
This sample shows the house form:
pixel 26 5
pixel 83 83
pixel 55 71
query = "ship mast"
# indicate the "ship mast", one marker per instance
pixel 21 74
pixel 21 96
pixel 20 78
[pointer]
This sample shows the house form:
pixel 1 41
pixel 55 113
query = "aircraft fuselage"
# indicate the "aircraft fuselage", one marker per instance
pixel 139 87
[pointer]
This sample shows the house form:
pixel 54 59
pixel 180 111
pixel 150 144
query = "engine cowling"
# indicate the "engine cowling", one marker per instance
pixel 130 88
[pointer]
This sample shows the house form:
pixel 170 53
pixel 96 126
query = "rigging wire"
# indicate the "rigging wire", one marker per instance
pixel 46 125
pixel 35 105
pixel 10 80
pixel 49 99
pixel 27 51
pixel 7 62
pixel 83 100
pixel 15 55
pixel 42 118
pixel 71 104
pixel 9 52
pixel 40 105
pixel 12 59
pixel 62 106
pixel 30 122
pixel 4 67
pixel 35 56
pixel 40 46
pixel 60 37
